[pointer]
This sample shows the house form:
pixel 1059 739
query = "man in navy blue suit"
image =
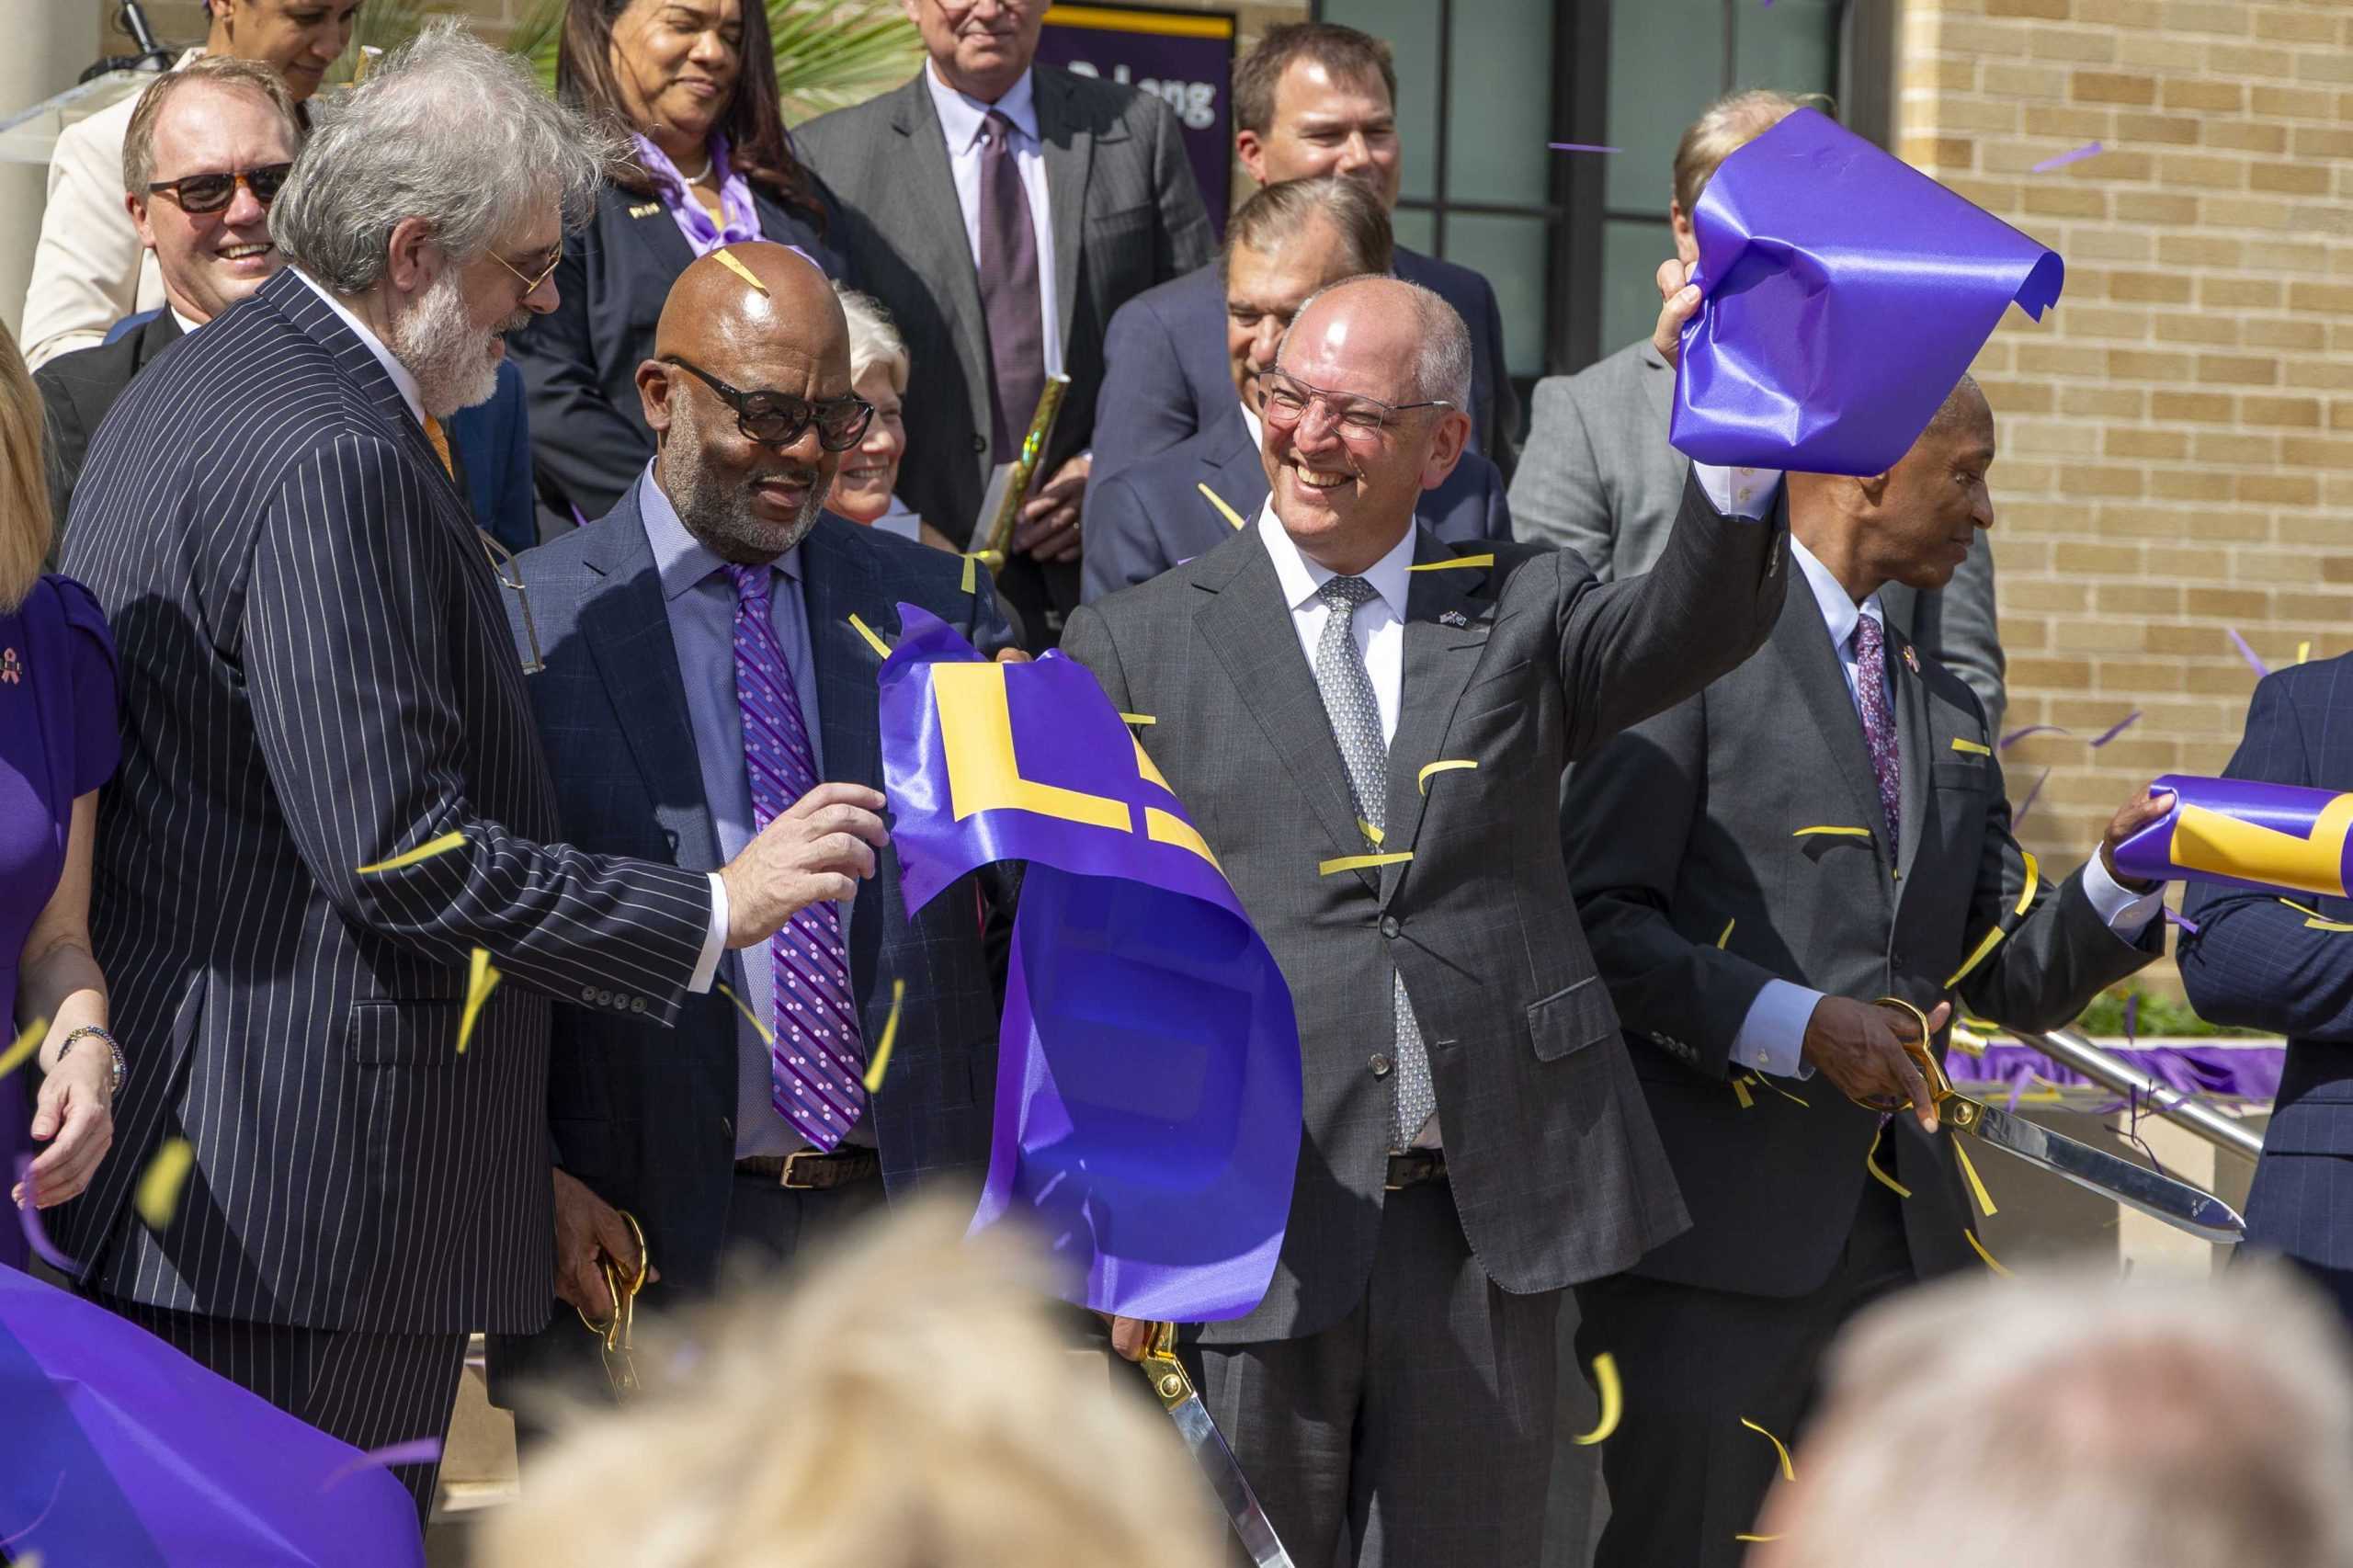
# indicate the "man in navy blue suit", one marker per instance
pixel 1286 243
pixel 2253 961
pixel 1311 98
pixel 706 617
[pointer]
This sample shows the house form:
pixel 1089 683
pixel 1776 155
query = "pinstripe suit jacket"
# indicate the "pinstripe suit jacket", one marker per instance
pixel 316 676
pixel 2253 963
pixel 1517 668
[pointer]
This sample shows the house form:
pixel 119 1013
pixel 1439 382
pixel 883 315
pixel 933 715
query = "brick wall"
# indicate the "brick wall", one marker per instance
pixel 2177 438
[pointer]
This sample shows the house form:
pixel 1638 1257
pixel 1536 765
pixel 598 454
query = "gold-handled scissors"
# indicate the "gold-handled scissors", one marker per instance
pixel 622 1283
pixel 1941 1087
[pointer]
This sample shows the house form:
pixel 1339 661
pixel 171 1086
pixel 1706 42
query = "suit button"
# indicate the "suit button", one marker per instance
pixel 1380 1065
pixel 620 999
pixel 603 997
pixel 1390 926
pixel 637 1003
pixel 587 994
pixel 979 442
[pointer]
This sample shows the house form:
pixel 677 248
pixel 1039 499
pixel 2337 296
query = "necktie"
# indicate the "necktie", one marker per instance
pixel 439 440
pixel 816 1062
pixel 1356 723
pixel 1879 723
pixel 1009 290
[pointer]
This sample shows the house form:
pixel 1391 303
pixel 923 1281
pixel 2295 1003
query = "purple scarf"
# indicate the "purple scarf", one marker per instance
pixel 694 221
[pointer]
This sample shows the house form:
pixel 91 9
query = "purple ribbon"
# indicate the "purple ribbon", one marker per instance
pixel 2275 838
pixel 2239 1072
pixel 734 198
pixel 1148 1099
pixel 1844 294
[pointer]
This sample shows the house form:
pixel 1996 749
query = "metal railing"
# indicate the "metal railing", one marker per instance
pixel 2072 1050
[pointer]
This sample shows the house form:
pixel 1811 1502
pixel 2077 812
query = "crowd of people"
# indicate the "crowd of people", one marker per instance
pixel 443 530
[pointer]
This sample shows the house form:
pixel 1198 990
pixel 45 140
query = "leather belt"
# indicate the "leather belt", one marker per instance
pixel 1414 1166
pixel 810 1171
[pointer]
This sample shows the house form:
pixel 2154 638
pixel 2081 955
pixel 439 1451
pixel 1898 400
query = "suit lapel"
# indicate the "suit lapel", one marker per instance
pixel 1659 383
pixel 837 581
pixel 1438 659
pixel 1802 644
pixel 1911 743
pixel 155 337
pixel 1238 475
pixel 638 661
pixel 1069 154
pixel 943 257
pixel 657 231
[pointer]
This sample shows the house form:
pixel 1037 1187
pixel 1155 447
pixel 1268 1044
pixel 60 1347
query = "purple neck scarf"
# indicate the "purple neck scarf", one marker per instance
pixel 694 221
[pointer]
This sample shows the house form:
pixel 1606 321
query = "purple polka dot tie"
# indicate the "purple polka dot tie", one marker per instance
pixel 817 1062
pixel 1879 723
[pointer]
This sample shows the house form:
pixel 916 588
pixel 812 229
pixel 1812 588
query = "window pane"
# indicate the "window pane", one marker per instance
pixel 1500 107
pixel 1630 252
pixel 1793 46
pixel 1416 230
pixel 1410 28
pixel 1515 254
pixel 1666 61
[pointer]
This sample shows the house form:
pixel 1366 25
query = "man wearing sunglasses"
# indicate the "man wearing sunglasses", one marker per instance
pixel 208 148
pixel 701 670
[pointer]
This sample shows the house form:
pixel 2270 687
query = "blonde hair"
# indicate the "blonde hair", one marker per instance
pixel 874 339
pixel 25 524
pixel 1725 127
pixel 223 72
pixel 908 1406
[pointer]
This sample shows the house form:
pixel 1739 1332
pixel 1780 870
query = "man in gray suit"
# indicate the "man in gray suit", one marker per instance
pixel 1822 827
pixel 1075 196
pixel 1367 724
pixel 1599 478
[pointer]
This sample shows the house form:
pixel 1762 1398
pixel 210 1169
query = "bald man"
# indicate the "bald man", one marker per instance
pixel 1370 724
pixel 701 673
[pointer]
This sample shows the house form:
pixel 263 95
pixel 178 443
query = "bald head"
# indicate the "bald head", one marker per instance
pixel 742 300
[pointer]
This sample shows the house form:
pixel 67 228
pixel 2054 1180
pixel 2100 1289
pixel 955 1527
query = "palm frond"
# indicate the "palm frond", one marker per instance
pixel 381 24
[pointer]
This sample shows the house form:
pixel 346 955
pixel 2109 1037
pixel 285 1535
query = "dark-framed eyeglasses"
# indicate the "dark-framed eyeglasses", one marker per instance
pixel 530 284
pixel 211 192
pixel 1287 400
pixel 777 419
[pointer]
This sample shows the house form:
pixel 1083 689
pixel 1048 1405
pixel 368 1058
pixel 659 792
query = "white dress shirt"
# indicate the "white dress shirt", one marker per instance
pixel 961 118
pixel 1772 1035
pixel 188 327
pixel 714 942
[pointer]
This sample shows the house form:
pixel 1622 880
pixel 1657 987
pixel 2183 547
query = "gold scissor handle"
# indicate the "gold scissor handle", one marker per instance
pixel 1921 1051
pixel 622 1285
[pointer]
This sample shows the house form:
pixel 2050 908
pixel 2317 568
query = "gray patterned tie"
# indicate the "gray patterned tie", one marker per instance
pixel 1356 724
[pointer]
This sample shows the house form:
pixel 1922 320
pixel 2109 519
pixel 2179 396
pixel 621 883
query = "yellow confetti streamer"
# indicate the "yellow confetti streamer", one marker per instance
pixel 2326 926
pixel 1458 564
pixel 482 979
pixel 1785 1093
pixel 1976 1184
pixel 1832 833
pixel 2304 910
pixel 889 1035
pixel 1613 1400
pixel 881 649
pixel 972 581
pixel 441 846
pixel 1138 719
pixel 1992 940
pixel 21 1051
pixel 1991 1262
pixel 1756 1537
pixel 1871 1163
pixel 1214 499
pixel 1727 933
pixel 2303 651
pixel 1371 833
pixel 1740 1093
pixel 1789 1471
pixel 158 1198
pixel 727 259
pixel 766 1034
pixel 1970 748
pixel 1422 780
pixel 2033 877
pixel 1362 862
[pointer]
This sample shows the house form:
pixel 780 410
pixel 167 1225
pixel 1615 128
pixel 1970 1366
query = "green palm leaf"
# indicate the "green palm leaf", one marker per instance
pixel 383 24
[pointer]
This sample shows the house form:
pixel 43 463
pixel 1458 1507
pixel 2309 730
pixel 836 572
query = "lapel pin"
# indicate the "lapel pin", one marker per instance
pixel 1453 617
pixel 1911 659
pixel 646 211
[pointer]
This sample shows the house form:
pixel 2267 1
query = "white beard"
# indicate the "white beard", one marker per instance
pixel 444 350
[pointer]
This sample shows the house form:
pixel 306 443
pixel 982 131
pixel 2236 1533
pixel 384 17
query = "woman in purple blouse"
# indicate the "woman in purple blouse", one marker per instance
pixel 58 744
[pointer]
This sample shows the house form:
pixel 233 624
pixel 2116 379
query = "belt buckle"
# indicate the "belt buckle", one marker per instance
pixel 1388 1182
pixel 784 1178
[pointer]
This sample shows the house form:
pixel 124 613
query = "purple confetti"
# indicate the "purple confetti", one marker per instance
pixel 2132 1017
pixel 2184 921
pixel 1579 147
pixel 2116 729
pixel 36 1236
pixel 2015 736
pixel 416 1450
pixel 2018 1082
pixel 2088 150
pixel 2249 654
pixel 2028 804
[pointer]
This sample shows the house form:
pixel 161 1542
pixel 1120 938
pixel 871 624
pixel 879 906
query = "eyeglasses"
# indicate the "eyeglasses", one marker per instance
pixel 530 284
pixel 777 419
pixel 209 193
pixel 502 566
pixel 1288 399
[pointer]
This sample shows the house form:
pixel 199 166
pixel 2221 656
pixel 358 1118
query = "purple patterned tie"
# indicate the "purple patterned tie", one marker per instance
pixel 816 1060
pixel 1009 290
pixel 1878 723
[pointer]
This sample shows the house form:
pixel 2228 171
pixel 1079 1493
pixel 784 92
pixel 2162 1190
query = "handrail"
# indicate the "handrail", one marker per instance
pixel 2071 1048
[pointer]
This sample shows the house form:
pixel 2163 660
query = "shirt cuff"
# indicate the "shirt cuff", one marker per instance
pixel 1739 492
pixel 707 966
pixel 2125 912
pixel 1772 1037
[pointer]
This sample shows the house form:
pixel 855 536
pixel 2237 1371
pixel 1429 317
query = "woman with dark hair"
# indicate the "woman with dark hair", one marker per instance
pixel 694 84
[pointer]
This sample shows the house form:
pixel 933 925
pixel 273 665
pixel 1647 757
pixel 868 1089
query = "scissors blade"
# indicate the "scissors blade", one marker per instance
pixel 1233 1488
pixel 2136 1186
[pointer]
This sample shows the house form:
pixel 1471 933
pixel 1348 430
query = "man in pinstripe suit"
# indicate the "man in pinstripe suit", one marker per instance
pixel 318 678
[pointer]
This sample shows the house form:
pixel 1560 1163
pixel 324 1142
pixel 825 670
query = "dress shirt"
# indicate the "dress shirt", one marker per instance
pixel 698 599
pixel 1378 623
pixel 1772 1035
pixel 188 327
pixel 960 116
pixel 1258 431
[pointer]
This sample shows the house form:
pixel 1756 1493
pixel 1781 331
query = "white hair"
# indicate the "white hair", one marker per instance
pixel 1442 367
pixel 873 339
pixel 448 130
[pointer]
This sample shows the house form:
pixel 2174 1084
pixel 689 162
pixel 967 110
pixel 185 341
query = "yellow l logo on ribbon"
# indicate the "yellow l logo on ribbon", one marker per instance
pixel 2222 845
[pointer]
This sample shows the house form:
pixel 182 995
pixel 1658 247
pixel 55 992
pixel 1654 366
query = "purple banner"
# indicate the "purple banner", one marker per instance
pixel 1183 58
pixel 2274 838
pixel 1148 1082
pixel 1845 293
pixel 2250 1072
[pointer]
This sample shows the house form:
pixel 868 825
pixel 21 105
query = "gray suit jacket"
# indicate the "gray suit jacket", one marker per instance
pixel 1127 215
pixel 1598 477
pixel 1681 833
pixel 1515 667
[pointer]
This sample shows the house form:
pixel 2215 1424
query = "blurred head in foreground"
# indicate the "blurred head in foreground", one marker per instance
pixel 910 1404
pixel 2075 1420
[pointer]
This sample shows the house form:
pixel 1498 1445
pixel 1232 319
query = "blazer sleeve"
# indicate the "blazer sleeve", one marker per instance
pixel 1146 405
pixel 1633 648
pixel 86 266
pixel 1629 816
pixel 1121 548
pixel 1498 508
pixel 1185 240
pixel 346 643
pixel 65 442
pixel 1957 625
pixel 583 447
pixel 1086 638
pixel 1502 402
pixel 2252 962
pixel 1556 496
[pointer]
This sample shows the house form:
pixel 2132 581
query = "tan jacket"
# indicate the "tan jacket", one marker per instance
pixel 89 270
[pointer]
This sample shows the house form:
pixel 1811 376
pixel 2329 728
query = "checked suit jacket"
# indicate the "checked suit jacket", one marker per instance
pixel 1516 667
pixel 1682 834
pixel 317 676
